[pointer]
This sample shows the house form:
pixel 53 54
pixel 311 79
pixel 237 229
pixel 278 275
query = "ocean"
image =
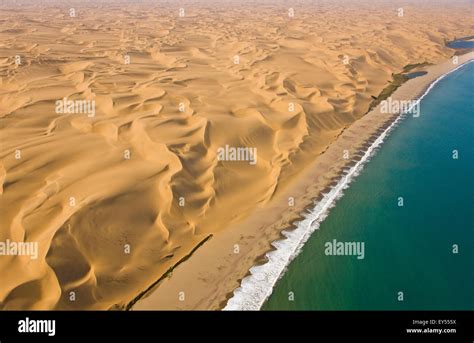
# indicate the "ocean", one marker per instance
pixel 412 207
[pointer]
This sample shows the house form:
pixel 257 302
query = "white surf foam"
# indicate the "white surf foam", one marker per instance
pixel 258 286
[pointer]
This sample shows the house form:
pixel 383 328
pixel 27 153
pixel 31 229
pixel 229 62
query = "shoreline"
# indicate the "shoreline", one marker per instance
pixel 216 273
pixel 119 193
pixel 258 286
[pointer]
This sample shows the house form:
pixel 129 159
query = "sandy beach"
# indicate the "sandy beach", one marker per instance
pixel 214 292
pixel 131 204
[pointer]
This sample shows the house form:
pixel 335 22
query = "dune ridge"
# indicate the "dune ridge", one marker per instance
pixel 142 172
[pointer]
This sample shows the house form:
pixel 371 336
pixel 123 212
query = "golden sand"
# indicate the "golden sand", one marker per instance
pixel 117 197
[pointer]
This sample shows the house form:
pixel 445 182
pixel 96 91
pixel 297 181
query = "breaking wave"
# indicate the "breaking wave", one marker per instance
pixel 256 288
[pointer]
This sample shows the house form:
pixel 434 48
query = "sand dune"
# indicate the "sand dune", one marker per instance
pixel 118 195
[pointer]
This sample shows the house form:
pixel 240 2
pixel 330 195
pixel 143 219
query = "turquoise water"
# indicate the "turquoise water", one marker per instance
pixel 408 248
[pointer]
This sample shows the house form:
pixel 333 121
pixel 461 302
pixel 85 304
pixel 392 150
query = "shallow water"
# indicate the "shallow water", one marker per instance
pixel 462 43
pixel 415 74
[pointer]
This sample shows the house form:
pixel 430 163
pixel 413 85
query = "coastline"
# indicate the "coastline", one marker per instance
pixel 119 191
pixel 216 273
pixel 257 287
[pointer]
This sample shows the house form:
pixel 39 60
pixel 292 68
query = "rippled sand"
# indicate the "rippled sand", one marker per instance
pixel 117 198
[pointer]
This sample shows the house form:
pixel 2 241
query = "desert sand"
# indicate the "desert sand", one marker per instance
pixel 119 197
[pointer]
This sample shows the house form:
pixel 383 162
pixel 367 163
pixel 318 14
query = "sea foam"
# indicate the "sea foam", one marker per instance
pixel 256 288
